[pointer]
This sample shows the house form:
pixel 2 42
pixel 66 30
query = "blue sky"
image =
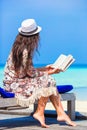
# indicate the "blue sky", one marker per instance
pixel 63 22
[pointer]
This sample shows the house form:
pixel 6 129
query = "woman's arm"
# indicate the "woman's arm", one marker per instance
pixel 42 69
pixel 49 69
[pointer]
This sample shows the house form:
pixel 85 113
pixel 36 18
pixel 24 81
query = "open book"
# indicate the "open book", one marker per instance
pixel 63 62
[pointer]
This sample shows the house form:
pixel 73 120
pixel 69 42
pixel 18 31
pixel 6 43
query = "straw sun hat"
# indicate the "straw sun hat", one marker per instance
pixel 29 27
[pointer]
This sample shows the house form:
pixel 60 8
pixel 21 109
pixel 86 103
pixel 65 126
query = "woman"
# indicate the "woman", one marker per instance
pixel 29 83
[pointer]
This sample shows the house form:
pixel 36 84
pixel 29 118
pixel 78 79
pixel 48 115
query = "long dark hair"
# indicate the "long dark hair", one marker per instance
pixel 24 42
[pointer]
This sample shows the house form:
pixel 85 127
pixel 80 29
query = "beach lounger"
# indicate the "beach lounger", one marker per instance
pixel 68 97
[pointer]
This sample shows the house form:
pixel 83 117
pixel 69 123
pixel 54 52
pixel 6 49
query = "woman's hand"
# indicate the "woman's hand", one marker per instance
pixel 52 70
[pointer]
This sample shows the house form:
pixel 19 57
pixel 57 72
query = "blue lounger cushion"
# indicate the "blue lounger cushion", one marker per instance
pixel 60 88
pixel 64 88
pixel 6 94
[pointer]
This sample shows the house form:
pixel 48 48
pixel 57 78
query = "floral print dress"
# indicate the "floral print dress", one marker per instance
pixel 27 87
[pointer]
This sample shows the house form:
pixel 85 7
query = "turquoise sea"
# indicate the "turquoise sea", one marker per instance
pixel 76 76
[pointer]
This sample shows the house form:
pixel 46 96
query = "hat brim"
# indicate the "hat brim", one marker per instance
pixel 29 34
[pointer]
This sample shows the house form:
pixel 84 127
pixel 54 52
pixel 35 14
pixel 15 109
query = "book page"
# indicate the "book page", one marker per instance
pixel 59 61
pixel 63 62
pixel 66 62
pixel 69 64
